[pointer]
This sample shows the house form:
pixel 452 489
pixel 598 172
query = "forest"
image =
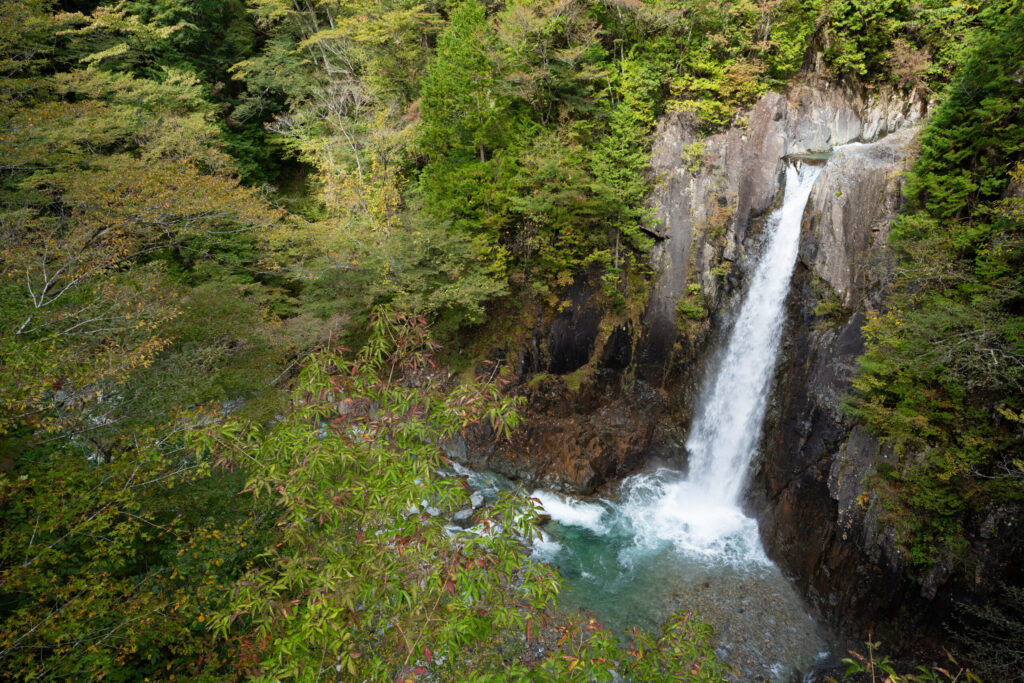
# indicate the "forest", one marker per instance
pixel 255 253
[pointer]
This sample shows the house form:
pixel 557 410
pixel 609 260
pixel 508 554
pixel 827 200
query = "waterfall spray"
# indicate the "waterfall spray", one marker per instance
pixel 725 433
pixel 700 514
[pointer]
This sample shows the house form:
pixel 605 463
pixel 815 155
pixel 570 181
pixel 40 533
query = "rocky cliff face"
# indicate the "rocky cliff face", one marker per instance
pixel 808 488
pixel 710 192
pixel 607 395
pixel 587 419
pixel 816 515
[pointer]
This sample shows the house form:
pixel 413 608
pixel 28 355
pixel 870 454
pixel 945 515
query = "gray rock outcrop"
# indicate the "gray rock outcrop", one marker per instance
pixel 709 192
pixel 817 515
pixel 850 210
pixel 634 385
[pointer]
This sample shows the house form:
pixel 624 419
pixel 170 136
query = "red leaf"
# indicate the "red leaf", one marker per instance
pixel 420 670
pixel 450 585
pixel 428 654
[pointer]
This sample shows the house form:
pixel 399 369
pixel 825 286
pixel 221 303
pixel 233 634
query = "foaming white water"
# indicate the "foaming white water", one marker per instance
pixel 545 548
pixel 661 507
pixel 700 515
pixel 729 422
pixel 572 512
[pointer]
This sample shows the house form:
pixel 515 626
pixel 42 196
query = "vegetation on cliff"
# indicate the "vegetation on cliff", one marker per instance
pixel 195 196
pixel 942 379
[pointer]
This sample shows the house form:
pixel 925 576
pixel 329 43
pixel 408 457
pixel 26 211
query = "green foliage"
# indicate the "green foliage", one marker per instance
pixel 330 558
pixel 976 137
pixel 86 303
pixel 426 268
pixel 693 156
pixel 691 305
pixel 141 278
pixel 117 199
pixel 861 34
pixel 917 44
pixel 993 634
pixel 362 576
pixel 124 233
pixel 942 378
pixel 880 669
pixel 680 652
pixel 734 52
pixel 450 154
pixel 532 128
pixel 829 305
pixel 464 111
pixel 621 156
pixel 110 567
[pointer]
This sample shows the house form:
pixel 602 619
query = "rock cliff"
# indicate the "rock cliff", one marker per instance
pixel 816 515
pixel 606 394
pixel 709 193
pixel 808 486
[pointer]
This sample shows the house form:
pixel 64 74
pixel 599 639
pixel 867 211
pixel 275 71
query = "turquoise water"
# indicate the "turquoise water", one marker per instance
pixel 762 628
pixel 666 541
pixel 617 569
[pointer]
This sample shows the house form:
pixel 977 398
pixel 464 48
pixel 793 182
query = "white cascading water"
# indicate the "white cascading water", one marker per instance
pixel 729 423
pixel 700 515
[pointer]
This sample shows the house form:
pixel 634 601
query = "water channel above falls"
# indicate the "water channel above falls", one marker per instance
pixel 666 540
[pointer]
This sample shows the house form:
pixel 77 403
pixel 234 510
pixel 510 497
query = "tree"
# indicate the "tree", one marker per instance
pixel 363 577
pixel 942 376
pixel 104 172
pixel 467 122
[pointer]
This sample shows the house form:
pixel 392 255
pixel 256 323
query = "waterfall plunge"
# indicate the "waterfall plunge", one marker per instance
pixel 669 543
pixel 700 515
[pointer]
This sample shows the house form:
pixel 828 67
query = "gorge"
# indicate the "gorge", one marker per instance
pixel 452 340
pixel 692 523
pixel 638 407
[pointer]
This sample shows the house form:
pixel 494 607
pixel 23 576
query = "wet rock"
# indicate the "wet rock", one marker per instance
pixel 760 626
pixel 634 389
pixel 817 516
pixel 709 192
pixel 574 331
pixel 569 441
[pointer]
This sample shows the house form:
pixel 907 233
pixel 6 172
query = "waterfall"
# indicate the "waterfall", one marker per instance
pixel 700 514
pixel 671 541
pixel 725 433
